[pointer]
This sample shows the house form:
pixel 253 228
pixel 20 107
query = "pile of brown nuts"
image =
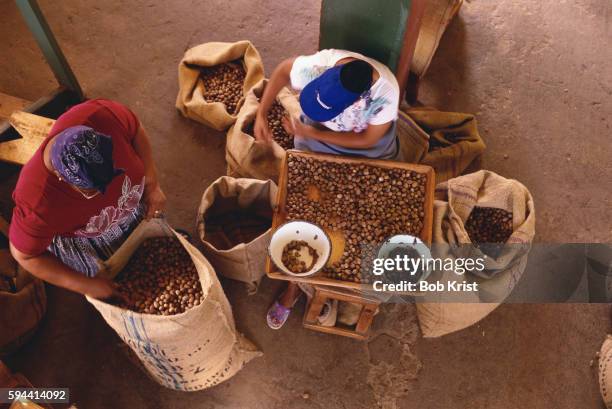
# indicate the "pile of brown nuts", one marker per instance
pixel 160 278
pixel 223 83
pixel 229 229
pixel 368 204
pixel 489 225
pixel 292 256
pixel 275 117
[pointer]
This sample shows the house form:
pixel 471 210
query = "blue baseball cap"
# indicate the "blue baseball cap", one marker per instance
pixel 325 97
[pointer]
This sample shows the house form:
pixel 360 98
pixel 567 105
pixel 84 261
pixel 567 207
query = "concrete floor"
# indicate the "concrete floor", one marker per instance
pixel 537 76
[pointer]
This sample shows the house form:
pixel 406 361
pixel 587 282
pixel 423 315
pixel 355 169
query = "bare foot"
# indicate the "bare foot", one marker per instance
pixel 288 298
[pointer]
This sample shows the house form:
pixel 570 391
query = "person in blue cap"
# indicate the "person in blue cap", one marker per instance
pixel 349 107
pixel 349 104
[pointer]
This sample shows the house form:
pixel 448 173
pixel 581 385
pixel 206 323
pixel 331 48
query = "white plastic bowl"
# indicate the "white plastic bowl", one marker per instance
pixel 404 241
pixel 300 230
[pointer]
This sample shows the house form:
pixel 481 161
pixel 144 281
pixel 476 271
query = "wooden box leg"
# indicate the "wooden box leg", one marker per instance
pixel 366 318
pixel 315 308
pixel 360 331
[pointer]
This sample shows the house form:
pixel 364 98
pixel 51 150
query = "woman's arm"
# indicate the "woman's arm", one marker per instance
pixel 154 197
pixel 355 140
pixel 279 79
pixel 49 268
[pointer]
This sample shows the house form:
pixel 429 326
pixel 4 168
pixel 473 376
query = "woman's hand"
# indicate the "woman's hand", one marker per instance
pixel 278 79
pixel 294 126
pixel 262 129
pixel 102 289
pixel 155 200
pixel 48 267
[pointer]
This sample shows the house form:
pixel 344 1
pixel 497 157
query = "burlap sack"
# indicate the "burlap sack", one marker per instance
pixel 244 156
pixel 23 303
pixel 447 141
pixel 242 210
pixel 190 101
pixel 605 371
pixel 436 17
pixel 190 351
pixel 454 202
pixel 17 380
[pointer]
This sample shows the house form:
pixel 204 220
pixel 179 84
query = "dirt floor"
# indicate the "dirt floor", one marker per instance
pixel 537 76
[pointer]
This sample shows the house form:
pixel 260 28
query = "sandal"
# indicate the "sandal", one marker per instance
pixel 329 314
pixel 277 314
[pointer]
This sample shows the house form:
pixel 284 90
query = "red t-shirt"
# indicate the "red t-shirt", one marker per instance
pixel 46 207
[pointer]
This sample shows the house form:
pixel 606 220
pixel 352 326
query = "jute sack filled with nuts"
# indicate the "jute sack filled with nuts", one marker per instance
pixel 447 141
pixel 23 303
pixel 605 371
pixel 457 201
pixel 193 350
pixel 247 158
pixel 194 98
pixel 234 224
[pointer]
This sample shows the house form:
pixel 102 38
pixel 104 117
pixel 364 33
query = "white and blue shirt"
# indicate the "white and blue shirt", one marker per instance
pixel 376 106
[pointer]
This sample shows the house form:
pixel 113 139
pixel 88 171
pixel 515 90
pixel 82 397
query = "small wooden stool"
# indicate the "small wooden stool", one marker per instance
pixel 322 294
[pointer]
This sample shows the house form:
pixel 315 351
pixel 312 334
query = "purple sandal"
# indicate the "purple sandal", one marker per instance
pixel 278 314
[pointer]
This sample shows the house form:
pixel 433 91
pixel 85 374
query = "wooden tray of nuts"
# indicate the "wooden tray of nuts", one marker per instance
pixel 357 201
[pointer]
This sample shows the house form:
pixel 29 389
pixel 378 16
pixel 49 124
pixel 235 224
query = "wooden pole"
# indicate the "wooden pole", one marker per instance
pixel 413 27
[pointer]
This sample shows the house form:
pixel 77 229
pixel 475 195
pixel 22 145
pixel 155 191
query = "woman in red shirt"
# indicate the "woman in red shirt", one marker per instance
pixel 85 189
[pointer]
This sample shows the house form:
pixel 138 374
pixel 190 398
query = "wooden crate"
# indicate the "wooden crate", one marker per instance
pixel 33 129
pixel 280 215
pixel 10 104
pixel 361 331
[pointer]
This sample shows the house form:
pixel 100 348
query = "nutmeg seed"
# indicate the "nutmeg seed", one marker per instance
pixel 223 83
pixel 160 278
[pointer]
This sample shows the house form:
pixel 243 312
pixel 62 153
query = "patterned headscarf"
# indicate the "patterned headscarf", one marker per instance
pixel 84 158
